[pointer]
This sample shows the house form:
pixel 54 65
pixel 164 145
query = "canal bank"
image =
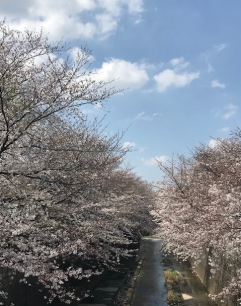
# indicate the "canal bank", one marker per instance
pixel 193 291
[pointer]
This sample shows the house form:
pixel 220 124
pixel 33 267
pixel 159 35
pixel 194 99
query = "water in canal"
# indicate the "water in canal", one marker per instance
pixel 150 285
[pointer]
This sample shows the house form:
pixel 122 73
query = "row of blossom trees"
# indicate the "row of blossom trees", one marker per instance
pixel 199 207
pixel 68 208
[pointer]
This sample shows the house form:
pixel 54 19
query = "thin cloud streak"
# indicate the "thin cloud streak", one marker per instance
pixel 217 84
pixel 153 161
pixel 227 112
pixel 128 145
pixel 142 116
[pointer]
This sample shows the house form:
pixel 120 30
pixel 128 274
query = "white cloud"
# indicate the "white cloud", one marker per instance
pixel 221 47
pixel 228 111
pixel 155 160
pixel 126 74
pixel 141 150
pixel 170 78
pixel 134 6
pixel 115 6
pixel 210 68
pixel 210 53
pixel 225 129
pixel 217 84
pixel 179 63
pixel 106 23
pixel 67 18
pixel 57 26
pixel 145 64
pixel 142 116
pixel 128 145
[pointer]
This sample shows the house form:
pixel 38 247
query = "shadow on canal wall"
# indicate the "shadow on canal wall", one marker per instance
pixel 193 291
pixel 215 283
pixel 198 287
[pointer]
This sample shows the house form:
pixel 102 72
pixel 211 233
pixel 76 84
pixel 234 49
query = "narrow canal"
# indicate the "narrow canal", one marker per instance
pixel 150 287
pixel 150 284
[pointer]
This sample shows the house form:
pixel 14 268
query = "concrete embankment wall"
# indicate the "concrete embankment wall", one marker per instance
pixel 215 283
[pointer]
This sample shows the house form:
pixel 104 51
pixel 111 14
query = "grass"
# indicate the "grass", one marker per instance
pixel 174 296
pixel 172 276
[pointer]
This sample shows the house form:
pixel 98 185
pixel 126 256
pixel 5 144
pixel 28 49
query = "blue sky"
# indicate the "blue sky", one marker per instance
pixel 180 60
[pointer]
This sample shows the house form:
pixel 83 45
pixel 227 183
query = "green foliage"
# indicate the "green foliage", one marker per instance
pixel 171 276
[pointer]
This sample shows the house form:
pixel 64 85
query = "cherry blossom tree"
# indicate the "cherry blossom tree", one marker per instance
pixel 199 207
pixel 68 207
pixel 39 79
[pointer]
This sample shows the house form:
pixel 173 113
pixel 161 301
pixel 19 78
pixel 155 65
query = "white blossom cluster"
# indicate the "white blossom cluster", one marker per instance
pixel 199 209
pixel 66 202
